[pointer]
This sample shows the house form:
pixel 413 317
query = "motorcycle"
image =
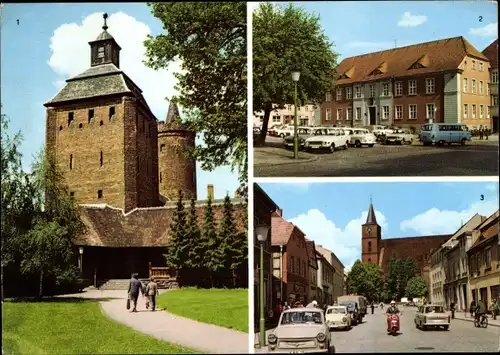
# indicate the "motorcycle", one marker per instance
pixel 392 324
pixel 481 321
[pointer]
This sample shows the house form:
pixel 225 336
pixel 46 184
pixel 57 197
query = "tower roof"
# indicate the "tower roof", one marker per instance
pixel 173 113
pixel 370 219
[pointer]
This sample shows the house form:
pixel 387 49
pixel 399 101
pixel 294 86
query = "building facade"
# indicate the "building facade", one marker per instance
pixel 484 261
pixel 325 278
pixel 411 86
pixel 491 52
pixel 313 270
pixel 307 115
pixel 437 277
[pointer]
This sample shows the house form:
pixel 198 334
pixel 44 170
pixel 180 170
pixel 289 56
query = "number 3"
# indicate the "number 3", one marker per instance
pixel 482 197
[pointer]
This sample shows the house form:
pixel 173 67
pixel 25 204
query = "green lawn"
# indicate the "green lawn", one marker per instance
pixel 222 307
pixel 72 327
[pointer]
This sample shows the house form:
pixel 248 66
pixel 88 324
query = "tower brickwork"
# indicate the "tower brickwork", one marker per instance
pixel 371 235
pixel 177 168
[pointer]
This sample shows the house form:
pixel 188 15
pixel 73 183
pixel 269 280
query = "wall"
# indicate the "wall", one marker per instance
pixel 374 239
pixel 344 103
pixel 452 101
pixel 87 176
pixel 285 116
pixel 297 281
pixel 478 99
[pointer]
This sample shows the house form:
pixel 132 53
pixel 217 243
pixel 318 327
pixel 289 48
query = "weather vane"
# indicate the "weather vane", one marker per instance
pixel 105 16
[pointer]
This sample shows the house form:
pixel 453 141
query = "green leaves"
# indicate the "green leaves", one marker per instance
pixel 416 287
pixel 177 250
pixel 365 280
pixel 400 272
pixel 210 41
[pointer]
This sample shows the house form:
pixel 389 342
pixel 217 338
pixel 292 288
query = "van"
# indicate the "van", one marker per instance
pixel 441 133
pixel 359 300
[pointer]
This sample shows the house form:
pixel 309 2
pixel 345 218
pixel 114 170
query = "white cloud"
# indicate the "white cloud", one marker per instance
pixel 344 242
pixel 489 30
pixel 409 20
pixel 295 188
pixel 71 56
pixel 436 221
pixel 492 187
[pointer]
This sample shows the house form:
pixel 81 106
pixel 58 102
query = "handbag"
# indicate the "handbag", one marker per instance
pixel 128 303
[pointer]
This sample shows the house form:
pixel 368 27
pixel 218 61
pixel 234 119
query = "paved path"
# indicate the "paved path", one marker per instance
pixel 206 338
pixel 467 317
pixel 371 337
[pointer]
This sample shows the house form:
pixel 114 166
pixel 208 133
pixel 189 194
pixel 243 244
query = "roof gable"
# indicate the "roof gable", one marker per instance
pixel 491 52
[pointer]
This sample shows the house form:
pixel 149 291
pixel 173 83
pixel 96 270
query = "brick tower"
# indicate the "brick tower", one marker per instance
pixel 102 135
pixel 370 238
pixel 177 169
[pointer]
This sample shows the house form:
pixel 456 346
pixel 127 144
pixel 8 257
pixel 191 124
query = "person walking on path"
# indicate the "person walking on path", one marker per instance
pixel 471 309
pixel 452 309
pixel 373 307
pixel 152 292
pixel 481 132
pixel 134 287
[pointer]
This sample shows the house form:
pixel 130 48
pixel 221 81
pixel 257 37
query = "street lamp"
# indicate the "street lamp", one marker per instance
pixel 295 78
pixel 262 232
pixel 80 250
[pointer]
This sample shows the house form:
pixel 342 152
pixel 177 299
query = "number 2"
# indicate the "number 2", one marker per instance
pixel 480 18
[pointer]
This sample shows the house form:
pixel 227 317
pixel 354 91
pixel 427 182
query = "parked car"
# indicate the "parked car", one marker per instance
pixel 303 134
pixel 301 330
pixel 432 316
pixel 283 131
pixel 327 139
pixel 361 136
pixel 441 133
pixel 399 136
pixel 337 317
pixel 379 130
pixel 256 134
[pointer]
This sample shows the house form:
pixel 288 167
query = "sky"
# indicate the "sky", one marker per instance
pixel 360 27
pixel 332 213
pixel 49 44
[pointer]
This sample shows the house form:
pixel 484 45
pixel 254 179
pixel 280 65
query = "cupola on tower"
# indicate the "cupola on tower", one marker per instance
pixel 370 238
pixel 102 134
pixel 177 168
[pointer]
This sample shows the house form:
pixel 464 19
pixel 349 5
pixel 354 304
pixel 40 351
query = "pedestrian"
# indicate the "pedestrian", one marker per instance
pixel 452 309
pixel 152 292
pixel 481 132
pixel 286 306
pixel 134 287
pixel 486 133
pixel 373 307
pixel 471 308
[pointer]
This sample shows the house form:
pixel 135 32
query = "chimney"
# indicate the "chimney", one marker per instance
pixel 210 192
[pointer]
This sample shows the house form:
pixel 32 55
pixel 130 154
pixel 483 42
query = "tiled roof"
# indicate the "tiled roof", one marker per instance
pixel 416 248
pixel 281 230
pixel 491 52
pixel 489 229
pixel 143 227
pixel 442 55
pixel 370 219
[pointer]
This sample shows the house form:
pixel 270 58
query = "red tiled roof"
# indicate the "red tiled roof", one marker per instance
pixel 281 230
pixel 489 229
pixel 142 227
pixel 436 56
pixel 491 52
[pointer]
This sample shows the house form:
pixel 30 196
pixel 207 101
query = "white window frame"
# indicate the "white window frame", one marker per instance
pixel 328 114
pixel 349 93
pixel 412 89
pixel 433 111
pixel 385 89
pixel 385 115
pixel 494 77
pixel 481 112
pixel 399 88
pixel 494 100
pixel 488 110
pixel 430 85
pixel 409 111
pixel 338 93
pixel 473 64
pixel 289 107
pixel 466 111
pixel 358 92
pixel 473 86
pixel 100 52
pixel 481 66
pixel 328 97
pixel 372 90
pixel 474 111
pixel 481 87
pixel 466 85
pixel 349 114
pixel 398 114
pixel 339 114
pixel 358 113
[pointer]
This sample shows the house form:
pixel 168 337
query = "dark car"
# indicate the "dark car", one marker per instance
pixel 303 133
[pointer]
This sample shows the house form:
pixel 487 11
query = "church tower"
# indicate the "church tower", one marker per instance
pixel 370 238
pixel 102 135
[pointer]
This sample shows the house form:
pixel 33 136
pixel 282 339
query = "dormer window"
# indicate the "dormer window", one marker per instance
pixel 417 66
pixel 100 52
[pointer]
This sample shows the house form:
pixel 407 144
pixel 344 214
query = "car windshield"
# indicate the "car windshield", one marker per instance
pixel 301 317
pixel 435 309
pixel 339 310
pixel 303 131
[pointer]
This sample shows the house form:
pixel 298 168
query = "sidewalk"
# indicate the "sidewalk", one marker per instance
pixel 206 338
pixel 466 317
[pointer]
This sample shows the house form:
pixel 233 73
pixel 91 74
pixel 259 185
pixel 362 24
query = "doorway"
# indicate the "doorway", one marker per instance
pixel 373 117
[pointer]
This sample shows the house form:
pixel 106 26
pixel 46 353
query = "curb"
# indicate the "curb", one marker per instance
pixel 471 320
pixel 290 161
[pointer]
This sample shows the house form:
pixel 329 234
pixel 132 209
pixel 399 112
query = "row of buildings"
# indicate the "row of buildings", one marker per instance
pixel 466 268
pixel 295 268
pixel 446 81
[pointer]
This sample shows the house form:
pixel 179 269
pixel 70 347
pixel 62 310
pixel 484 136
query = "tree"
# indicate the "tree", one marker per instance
pixel 213 258
pixel 235 244
pixel 177 252
pixel 287 38
pixel 400 271
pixel 210 41
pixel 365 280
pixel 194 260
pixel 416 287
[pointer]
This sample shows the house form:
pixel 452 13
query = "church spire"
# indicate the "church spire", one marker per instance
pixel 104 49
pixel 173 113
pixel 370 219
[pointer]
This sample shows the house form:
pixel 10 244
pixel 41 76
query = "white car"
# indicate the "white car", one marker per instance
pixel 379 130
pixel 330 138
pixel 300 330
pixel 399 136
pixel 337 317
pixel 432 316
pixel 283 131
pixel 361 136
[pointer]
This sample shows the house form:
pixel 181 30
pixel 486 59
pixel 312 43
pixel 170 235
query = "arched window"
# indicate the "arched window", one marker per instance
pixel 162 147
pixel 369 247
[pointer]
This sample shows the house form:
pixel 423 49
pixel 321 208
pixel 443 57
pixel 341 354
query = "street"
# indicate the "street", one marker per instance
pixel 371 336
pixel 476 158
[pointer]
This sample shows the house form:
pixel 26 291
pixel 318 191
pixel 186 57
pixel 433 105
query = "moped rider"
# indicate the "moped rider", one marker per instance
pixel 392 309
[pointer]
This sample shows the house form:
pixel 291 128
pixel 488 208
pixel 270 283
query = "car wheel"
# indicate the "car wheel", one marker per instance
pixel 331 349
pixel 446 327
pixel 371 145
pixel 332 148
pixel 462 142
pixel 358 144
pixel 282 135
pixel 410 142
pixel 401 142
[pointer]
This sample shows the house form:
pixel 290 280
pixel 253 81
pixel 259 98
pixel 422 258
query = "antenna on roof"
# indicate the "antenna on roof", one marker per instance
pixel 395 43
